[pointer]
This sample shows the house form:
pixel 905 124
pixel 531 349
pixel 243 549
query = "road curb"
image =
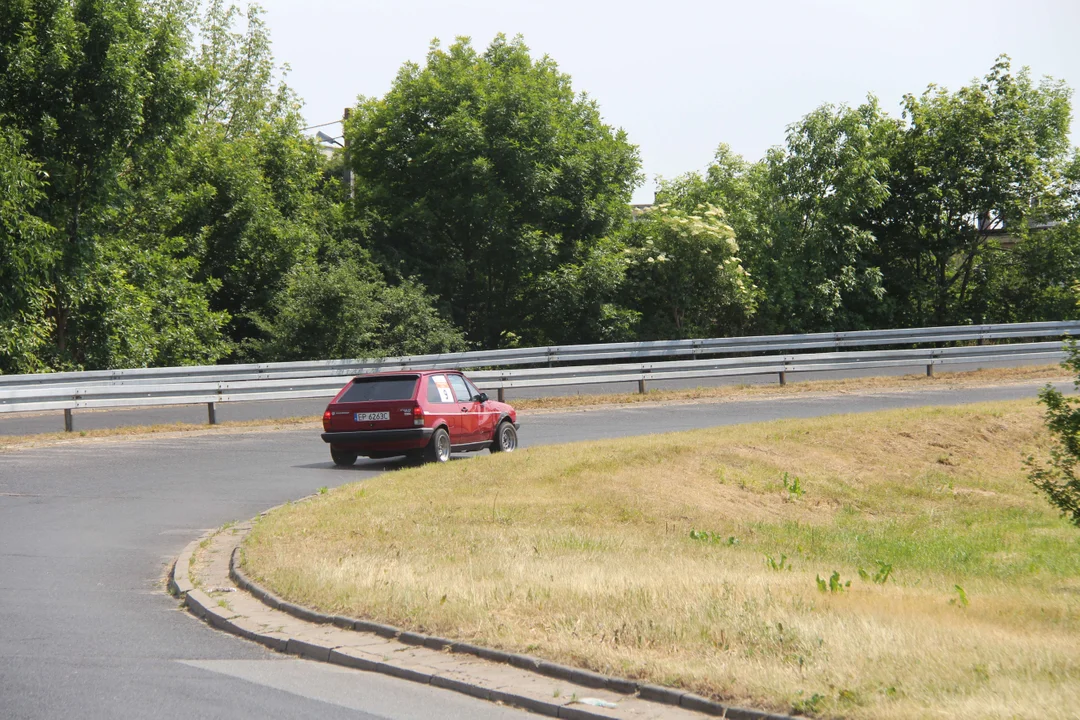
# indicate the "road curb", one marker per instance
pixel 180 585
pixel 587 678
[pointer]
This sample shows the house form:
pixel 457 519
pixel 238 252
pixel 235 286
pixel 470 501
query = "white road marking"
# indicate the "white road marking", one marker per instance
pixel 372 693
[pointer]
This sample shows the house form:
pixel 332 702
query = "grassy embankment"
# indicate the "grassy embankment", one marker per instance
pixel 697 560
pixel 902 383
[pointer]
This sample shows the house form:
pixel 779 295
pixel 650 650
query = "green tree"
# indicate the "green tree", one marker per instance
pixel 810 249
pixel 268 221
pixel 989 156
pixel 247 180
pixel 481 174
pixel 860 220
pixel 801 216
pixel 100 91
pixel 580 301
pixel 1037 276
pixel 26 254
pixel 249 207
pixel 1035 279
pixel 142 308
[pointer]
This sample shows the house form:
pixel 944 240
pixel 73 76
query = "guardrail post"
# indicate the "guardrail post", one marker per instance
pixel 641 386
pixel 783 377
pixel 502 394
pixel 929 370
pixel 68 425
pixel 211 413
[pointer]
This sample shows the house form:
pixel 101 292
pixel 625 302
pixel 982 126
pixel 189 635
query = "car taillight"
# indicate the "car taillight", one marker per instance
pixel 326 420
pixel 418 416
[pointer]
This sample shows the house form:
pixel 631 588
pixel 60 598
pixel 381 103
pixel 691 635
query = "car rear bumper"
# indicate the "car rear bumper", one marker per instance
pixel 376 439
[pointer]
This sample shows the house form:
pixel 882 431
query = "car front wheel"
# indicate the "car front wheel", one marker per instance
pixel 438 450
pixel 505 438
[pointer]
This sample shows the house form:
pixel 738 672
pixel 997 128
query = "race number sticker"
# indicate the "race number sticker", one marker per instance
pixel 446 395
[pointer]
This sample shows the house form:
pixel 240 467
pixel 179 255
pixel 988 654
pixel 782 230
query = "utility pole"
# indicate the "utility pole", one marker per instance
pixel 345 141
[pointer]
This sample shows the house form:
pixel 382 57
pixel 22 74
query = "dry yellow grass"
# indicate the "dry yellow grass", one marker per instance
pixel 584 554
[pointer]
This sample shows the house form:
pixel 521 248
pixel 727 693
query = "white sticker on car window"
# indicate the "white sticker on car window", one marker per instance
pixel 445 394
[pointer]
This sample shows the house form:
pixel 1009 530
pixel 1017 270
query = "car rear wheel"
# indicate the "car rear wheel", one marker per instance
pixel 342 458
pixel 438 450
pixel 505 438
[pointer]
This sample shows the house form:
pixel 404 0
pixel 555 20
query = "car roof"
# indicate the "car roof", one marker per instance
pixel 399 373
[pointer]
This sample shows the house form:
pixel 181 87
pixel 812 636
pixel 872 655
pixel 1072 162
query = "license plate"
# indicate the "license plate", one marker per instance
pixel 372 417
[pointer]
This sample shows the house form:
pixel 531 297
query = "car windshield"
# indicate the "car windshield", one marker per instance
pixel 372 389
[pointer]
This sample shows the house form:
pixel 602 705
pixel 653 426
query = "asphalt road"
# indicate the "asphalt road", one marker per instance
pixel 48 422
pixel 87 530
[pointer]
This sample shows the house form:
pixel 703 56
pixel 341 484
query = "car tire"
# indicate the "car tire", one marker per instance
pixel 343 458
pixel 438 449
pixel 506 439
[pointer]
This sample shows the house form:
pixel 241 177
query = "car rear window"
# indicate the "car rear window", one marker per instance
pixel 375 389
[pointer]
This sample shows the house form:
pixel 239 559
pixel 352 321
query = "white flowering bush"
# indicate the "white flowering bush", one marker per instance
pixel 684 274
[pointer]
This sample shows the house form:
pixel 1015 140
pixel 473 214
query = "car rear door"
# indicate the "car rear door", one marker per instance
pixel 441 405
pixel 376 403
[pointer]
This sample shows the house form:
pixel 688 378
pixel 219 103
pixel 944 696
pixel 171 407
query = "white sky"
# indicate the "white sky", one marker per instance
pixel 682 76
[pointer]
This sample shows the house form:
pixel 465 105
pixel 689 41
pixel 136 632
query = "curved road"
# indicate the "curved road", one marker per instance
pixel 53 421
pixel 87 531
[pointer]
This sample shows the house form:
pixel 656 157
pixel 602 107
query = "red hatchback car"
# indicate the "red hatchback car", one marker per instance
pixel 422 413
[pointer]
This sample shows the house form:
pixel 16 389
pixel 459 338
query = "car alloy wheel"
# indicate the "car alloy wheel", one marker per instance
pixel 438 450
pixel 505 438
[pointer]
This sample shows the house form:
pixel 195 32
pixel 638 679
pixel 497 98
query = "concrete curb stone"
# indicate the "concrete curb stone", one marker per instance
pixel 437 643
pixel 431 672
pixel 386 631
pixel 659 693
pixel 465 688
pixel 180 584
pixel 411 638
pixel 531 704
pixel 342 656
pixel 312 651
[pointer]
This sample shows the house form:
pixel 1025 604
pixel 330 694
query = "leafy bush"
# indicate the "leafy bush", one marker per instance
pixel 347 310
pixel 1058 479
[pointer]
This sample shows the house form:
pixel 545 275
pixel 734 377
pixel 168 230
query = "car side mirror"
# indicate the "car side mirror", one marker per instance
pixel 482 398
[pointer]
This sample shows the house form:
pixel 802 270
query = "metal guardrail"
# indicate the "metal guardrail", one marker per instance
pixel 550 356
pixel 657 361
pixel 764 365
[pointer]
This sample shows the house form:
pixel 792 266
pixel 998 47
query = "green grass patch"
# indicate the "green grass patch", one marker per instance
pixel 893 564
